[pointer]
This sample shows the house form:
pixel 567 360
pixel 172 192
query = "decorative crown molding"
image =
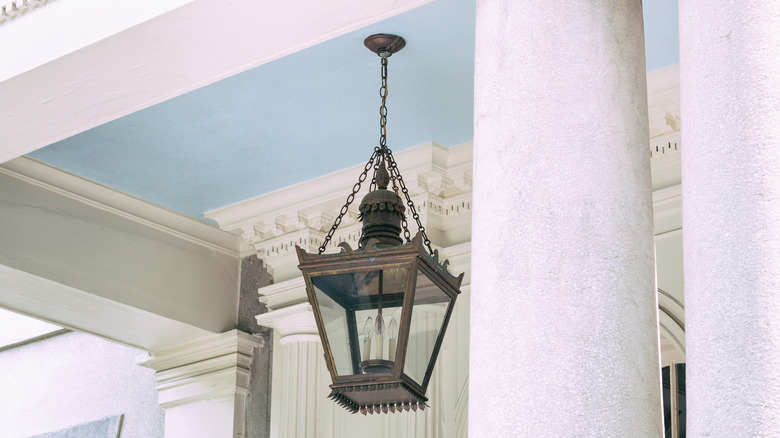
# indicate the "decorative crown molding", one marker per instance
pixel 294 323
pixel 121 204
pixel 217 366
pixel 438 179
pixel 663 97
pixel 14 9
pixel 667 211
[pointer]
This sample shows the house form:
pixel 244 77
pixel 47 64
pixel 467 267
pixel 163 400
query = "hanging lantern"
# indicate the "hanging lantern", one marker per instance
pixel 383 308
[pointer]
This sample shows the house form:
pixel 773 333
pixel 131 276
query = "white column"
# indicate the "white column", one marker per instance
pixel 203 386
pixel 300 389
pixel 730 101
pixel 564 327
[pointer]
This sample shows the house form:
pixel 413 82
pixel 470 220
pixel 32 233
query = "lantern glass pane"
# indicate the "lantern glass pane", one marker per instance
pixel 428 312
pixel 334 319
pixel 347 301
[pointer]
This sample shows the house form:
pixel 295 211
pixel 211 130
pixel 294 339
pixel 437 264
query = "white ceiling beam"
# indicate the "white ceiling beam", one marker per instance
pixel 176 52
pixel 86 257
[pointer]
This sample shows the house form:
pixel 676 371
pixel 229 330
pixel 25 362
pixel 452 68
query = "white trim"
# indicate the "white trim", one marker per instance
pixel 663 97
pixel 14 9
pixel 667 211
pixel 65 93
pixel 209 368
pixel 270 225
pixel 283 294
pixel 671 319
pixel 665 145
pixel 199 349
pixel 300 337
pixel 85 312
pixel 296 322
pixel 121 204
pixel 296 201
pixel 662 80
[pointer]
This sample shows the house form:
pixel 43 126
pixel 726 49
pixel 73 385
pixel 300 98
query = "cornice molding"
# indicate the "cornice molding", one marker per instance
pixel 430 167
pixel 667 210
pixel 438 179
pixel 121 204
pixel 294 323
pixel 209 368
pixel 665 160
pixel 663 96
pixel 222 344
pixel 283 294
pixel 666 145
pixel 14 9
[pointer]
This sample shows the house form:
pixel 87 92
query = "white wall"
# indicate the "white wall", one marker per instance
pixel 74 378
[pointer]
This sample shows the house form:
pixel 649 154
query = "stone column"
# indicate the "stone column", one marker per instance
pixel 204 386
pixel 302 384
pixel 730 102
pixel 564 326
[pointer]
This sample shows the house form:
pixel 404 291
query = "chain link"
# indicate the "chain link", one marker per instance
pixel 350 198
pixel 393 169
pixel 383 108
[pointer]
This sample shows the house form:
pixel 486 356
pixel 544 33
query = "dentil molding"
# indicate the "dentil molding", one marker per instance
pixel 11 10
pixel 438 179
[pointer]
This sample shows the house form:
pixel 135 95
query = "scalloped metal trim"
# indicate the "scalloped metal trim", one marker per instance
pixel 443 266
pixel 338 396
pixel 382 205
pixel 370 246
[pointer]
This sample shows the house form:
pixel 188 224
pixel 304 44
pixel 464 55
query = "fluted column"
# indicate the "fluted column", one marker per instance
pixel 564 331
pixel 302 383
pixel 730 102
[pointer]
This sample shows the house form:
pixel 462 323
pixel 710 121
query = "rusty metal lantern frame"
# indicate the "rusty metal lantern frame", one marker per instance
pixel 374 385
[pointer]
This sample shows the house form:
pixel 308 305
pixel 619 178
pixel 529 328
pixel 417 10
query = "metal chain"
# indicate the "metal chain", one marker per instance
pixel 382 153
pixel 383 108
pixel 350 198
pixel 382 121
pixel 393 168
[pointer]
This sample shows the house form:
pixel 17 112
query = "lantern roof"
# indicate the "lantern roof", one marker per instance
pixel 372 252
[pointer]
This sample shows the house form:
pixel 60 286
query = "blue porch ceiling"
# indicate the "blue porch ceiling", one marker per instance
pixel 305 115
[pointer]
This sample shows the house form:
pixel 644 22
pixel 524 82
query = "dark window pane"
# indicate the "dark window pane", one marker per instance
pixel 667 403
pixel 681 406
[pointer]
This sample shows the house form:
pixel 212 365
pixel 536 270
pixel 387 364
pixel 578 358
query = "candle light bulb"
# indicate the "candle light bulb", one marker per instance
pixel 393 332
pixel 368 332
pixel 380 341
pixel 368 328
pixel 380 324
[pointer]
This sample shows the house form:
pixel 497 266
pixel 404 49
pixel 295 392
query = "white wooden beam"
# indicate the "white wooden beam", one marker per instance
pixel 176 52
pixel 87 257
